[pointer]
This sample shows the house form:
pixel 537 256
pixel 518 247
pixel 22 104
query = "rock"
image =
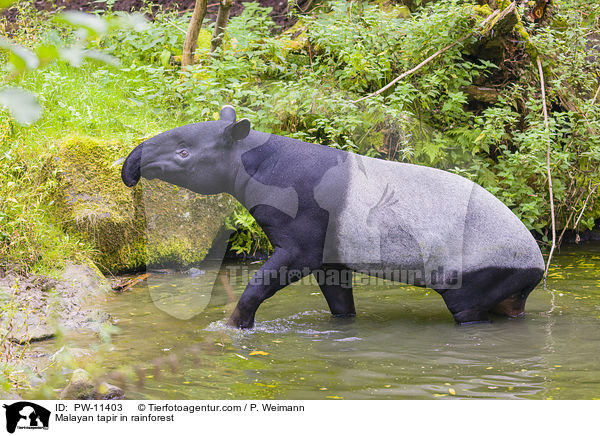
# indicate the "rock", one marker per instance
pixel 41 304
pixel 81 387
pixel 29 328
pixel 195 272
pixel 107 391
pixel 481 93
pixel 5 293
pixel 154 224
pixel 10 396
pixel 73 357
pixel 85 279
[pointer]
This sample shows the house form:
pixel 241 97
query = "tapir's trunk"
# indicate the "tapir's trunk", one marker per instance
pixel 131 171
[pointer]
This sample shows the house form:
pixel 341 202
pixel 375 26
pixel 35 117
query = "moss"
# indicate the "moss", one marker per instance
pixel 174 251
pixel 483 10
pixel 155 223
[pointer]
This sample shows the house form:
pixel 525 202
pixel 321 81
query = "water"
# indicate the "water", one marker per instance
pixel 403 344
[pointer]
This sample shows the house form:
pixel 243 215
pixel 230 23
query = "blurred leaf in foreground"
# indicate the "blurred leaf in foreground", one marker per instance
pixel 22 105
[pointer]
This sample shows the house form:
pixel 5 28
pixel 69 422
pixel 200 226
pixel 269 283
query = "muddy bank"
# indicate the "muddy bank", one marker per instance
pixel 38 308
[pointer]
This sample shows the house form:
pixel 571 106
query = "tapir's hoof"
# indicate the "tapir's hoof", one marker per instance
pixel 344 315
pixel 512 307
pixel 472 316
pixel 474 322
pixel 240 324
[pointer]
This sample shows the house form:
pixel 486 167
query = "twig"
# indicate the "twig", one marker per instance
pixel 175 26
pixel 430 58
pixel 130 283
pixel 584 205
pixel 539 63
pixel 571 215
pixel 595 95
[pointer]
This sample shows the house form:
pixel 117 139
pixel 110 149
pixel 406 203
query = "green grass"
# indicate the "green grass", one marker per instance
pixel 91 101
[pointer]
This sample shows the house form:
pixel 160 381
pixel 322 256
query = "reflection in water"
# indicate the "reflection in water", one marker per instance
pixel 402 344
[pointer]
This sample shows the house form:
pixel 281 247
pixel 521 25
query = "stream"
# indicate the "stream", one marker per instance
pixel 403 343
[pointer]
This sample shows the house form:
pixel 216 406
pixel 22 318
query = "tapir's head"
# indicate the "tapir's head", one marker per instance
pixel 196 156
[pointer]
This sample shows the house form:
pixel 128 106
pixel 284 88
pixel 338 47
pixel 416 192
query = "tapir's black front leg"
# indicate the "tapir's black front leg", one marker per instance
pixel 279 271
pixel 336 285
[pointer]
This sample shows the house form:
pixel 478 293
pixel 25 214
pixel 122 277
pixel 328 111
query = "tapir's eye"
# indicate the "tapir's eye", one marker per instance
pixel 183 153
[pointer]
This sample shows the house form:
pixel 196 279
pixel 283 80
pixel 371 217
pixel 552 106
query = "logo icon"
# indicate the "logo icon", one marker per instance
pixel 26 415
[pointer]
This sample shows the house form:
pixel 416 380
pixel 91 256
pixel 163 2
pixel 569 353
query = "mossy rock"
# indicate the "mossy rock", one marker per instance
pixel 155 224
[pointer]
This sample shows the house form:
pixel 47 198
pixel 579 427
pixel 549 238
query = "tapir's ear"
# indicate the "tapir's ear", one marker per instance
pixel 227 114
pixel 239 130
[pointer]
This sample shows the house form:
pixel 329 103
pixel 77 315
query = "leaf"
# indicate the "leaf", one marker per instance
pixel 90 22
pixel 6 3
pixel 480 137
pixel 21 57
pixel 73 55
pixel 452 391
pixel 258 353
pixel 46 53
pixel 102 57
pixel 117 162
pixel 135 21
pixel 165 57
pixel 23 105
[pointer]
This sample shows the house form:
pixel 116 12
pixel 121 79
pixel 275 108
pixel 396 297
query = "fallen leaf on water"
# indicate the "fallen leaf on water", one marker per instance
pixel 264 385
pixel 322 389
pixel 334 397
pixel 260 353
pixel 452 391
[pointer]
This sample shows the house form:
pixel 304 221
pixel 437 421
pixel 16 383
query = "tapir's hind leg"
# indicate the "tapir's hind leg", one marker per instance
pixel 514 305
pixel 336 285
pixel 501 291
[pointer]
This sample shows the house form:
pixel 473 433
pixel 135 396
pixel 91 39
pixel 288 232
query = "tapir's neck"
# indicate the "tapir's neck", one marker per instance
pixel 238 184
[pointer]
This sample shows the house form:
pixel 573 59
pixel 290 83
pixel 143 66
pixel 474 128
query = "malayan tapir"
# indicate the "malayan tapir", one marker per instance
pixel 330 213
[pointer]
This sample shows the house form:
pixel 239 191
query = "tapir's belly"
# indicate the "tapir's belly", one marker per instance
pixel 411 217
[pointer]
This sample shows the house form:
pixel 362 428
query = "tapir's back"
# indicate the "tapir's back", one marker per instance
pixel 418 218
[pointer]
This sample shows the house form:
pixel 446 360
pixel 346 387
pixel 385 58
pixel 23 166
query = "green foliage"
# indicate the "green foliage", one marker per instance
pixel 302 83
pixel 248 237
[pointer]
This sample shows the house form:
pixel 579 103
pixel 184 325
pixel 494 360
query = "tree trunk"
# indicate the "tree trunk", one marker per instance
pixel 221 24
pixel 191 37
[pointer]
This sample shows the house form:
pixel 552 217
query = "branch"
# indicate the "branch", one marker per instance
pixel 584 205
pixel 220 24
pixel 191 37
pixel 409 72
pixel 539 63
pixel 490 19
pixel 595 95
